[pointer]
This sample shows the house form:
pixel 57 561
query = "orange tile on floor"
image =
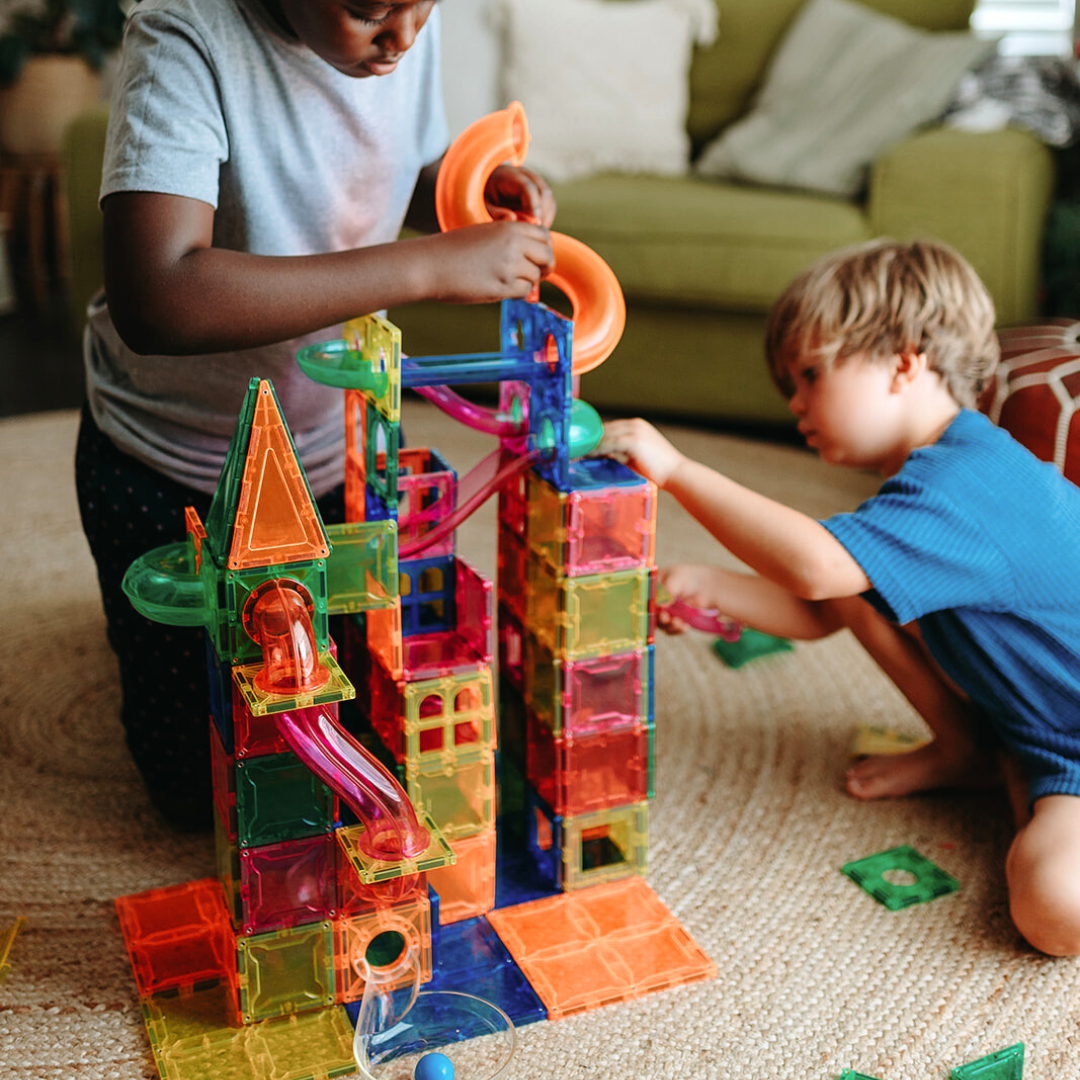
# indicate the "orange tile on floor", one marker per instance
pixel 601 945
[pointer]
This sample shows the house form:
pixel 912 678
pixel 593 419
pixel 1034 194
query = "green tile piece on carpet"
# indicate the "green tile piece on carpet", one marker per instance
pixel 851 1074
pixel 1007 1064
pixel 927 880
pixel 751 645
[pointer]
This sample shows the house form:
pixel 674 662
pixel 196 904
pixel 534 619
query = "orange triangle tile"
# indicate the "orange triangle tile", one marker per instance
pixel 276 518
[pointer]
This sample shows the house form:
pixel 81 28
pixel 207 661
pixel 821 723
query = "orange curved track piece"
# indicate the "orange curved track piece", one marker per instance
pixel 597 298
pixel 587 281
pixel 472 158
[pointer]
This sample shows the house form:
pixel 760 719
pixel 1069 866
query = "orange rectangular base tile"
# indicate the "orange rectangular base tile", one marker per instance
pixel 599 946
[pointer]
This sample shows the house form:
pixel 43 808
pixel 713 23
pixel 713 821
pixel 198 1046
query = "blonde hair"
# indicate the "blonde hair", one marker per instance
pixel 883 298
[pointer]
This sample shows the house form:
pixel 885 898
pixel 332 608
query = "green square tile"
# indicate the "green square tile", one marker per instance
pixel 851 1074
pixel 279 798
pixel 1007 1064
pixel 751 645
pixel 900 877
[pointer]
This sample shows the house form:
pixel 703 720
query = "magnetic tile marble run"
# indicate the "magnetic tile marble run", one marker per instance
pixel 453 796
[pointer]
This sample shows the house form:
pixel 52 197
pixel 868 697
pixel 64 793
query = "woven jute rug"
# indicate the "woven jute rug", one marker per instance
pixel 749 829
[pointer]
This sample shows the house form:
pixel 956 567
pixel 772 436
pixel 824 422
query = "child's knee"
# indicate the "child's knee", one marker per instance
pixel 1043 870
pixel 1049 918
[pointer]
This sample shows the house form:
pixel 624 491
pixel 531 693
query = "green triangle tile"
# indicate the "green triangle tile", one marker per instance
pixel 222 512
pixel 1007 1064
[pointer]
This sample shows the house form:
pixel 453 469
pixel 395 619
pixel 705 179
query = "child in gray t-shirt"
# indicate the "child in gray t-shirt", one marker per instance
pixel 261 159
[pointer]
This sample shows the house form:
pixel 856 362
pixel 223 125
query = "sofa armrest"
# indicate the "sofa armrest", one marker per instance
pixel 985 193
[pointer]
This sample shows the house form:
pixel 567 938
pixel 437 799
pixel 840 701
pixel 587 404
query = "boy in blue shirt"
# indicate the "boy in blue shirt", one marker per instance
pixel 961 576
pixel 261 158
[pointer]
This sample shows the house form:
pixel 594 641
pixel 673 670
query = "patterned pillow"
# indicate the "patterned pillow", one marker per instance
pixel 1036 391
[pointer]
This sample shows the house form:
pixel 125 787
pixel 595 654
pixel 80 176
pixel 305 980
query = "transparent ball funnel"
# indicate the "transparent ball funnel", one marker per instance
pixel 398 1025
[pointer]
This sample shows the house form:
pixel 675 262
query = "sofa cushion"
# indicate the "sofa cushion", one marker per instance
pixel 844 85
pixel 628 99
pixel 699 243
pixel 723 78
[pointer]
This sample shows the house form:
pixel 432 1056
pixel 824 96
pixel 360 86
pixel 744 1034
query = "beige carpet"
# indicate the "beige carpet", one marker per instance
pixel 749 829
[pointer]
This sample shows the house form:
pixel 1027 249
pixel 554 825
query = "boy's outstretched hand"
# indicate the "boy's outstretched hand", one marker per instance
pixel 693 584
pixel 483 263
pixel 638 444
pixel 515 190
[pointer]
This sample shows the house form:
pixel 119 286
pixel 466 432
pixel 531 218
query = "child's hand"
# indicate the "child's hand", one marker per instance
pixel 685 583
pixel 480 264
pixel 638 444
pixel 696 605
pixel 520 191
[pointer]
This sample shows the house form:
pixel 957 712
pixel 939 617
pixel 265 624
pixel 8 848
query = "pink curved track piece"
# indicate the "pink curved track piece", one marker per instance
pixel 708 619
pixel 481 483
pixel 473 416
pixel 391 829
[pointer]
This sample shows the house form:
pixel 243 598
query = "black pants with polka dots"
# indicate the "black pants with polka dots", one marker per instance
pixel 127 509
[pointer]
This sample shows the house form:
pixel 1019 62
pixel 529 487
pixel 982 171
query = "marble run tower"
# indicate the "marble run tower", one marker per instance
pixel 301 896
pixel 422 801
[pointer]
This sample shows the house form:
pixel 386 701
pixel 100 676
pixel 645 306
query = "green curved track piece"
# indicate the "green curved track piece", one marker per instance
pixel 162 586
pixel 333 363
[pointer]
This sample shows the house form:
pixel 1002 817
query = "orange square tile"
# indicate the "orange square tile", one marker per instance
pixel 572 982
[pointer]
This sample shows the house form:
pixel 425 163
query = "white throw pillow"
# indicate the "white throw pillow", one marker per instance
pixel 845 84
pixel 605 83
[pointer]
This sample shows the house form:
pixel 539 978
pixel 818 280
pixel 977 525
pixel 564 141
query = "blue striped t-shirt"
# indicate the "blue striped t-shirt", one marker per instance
pixel 979 541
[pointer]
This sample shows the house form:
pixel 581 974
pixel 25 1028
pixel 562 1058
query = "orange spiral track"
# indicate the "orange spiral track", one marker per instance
pixel 586 280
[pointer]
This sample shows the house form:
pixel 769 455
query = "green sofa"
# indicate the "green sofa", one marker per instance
pixel 701 261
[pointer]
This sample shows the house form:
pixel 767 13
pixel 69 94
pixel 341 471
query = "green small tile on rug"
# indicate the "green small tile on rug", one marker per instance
pixel 1007 1064
pixel 900 877
pixel 751 645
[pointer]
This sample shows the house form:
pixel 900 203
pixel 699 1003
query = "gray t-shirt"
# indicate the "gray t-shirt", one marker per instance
pixel 213 103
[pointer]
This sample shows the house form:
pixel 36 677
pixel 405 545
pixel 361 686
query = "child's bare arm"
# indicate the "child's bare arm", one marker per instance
pixel 752 600
pixel 170 291
pixel 784 545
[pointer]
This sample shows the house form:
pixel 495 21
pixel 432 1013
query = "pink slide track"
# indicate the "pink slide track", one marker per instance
pixel 279 621
pixel 482 482
pixel 391 829
pixel 708 619
pixel 473 416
